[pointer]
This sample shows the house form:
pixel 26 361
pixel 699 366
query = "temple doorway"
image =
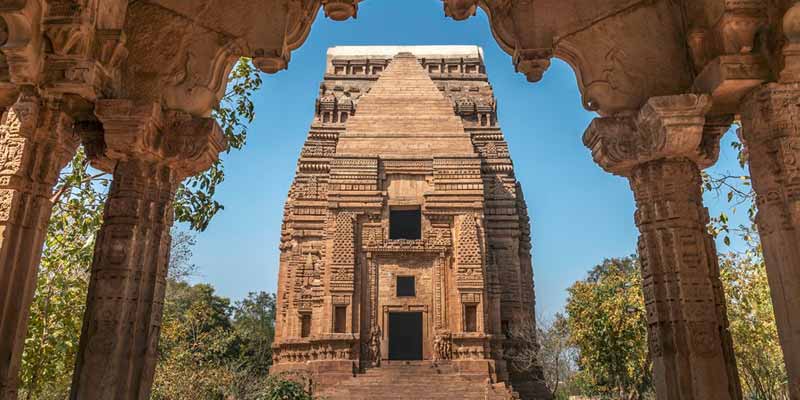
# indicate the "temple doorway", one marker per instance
pixel 405 336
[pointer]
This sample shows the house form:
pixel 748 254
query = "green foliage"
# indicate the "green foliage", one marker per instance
pixel 285 389
pixel 606 321
pixel 57 311
pixel 254 322
pixel 212 350
pixel 752 326
pixel 737 190
pixel 194 199
pixel 606 324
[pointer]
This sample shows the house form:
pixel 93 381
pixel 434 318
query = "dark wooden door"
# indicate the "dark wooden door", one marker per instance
pixel 405 336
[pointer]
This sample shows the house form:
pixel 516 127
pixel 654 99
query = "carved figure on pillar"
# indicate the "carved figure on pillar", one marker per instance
pixel 149 152
pixel 375 346
pixel 661 151
pixel 36 142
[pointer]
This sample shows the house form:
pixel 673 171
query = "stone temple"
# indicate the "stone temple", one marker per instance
pixel 135 83
pixel 405 250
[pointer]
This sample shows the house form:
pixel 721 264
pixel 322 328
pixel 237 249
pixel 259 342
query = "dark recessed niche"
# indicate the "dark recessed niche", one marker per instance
pixel 405 224
pixel 470 318
pixel 405 286
pixel 340 319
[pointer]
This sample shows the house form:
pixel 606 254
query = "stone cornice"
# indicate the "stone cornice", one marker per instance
pixel 666 127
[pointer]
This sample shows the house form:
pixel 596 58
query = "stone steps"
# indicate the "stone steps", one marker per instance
pixel 417 380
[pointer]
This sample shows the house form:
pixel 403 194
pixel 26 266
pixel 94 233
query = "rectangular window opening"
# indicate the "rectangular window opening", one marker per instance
pixel 470 318
pixel 405 224
pixel 340 319
pixel 305 325
pixel 405 286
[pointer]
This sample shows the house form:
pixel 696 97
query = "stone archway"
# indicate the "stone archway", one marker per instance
pixel 666 76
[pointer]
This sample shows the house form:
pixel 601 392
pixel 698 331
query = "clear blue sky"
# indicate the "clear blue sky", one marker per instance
pixel 579 213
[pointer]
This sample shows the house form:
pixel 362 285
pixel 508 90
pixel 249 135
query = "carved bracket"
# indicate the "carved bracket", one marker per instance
pixel 185 143
pixel 340 10
pixel 460 10
pixel 532 62
pixel 666 127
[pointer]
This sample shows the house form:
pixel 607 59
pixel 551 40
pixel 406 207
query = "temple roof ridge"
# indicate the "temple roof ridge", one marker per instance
pixel 404 112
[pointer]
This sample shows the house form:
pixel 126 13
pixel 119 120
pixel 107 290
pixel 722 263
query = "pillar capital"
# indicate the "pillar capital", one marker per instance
pixel 32 128
pixel 144 131
pixel 666 127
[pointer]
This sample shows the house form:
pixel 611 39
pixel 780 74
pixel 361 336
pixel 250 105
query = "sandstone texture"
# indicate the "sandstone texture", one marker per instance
pixel 411 133
pixel 135 83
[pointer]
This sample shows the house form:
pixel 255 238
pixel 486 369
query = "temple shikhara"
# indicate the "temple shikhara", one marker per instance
pixel 405 236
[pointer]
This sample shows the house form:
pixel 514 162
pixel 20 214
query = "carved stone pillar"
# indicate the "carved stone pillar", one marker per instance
pixel 661 151
pixel 771 131
pixel 149 151
pixel 36 142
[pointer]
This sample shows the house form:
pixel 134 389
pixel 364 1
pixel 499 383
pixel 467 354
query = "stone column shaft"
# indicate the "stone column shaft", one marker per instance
pixel 36 141
pixel 661 151
pixel 687 327
pixel 151 151
pixel 123 318
pixel 771 131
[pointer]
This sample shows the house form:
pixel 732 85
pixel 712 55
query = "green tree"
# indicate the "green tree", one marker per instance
pixel 607 325
pixel 254 323
pixel 212 350
pixel 195 345
pixel 737 190
pixel 752 326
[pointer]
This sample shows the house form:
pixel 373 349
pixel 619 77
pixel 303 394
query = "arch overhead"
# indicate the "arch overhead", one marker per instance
pixel 624 52
pixel 174 52
pixel 184 51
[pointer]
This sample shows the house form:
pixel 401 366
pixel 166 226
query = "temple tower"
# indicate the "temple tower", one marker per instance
pixel 406 241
